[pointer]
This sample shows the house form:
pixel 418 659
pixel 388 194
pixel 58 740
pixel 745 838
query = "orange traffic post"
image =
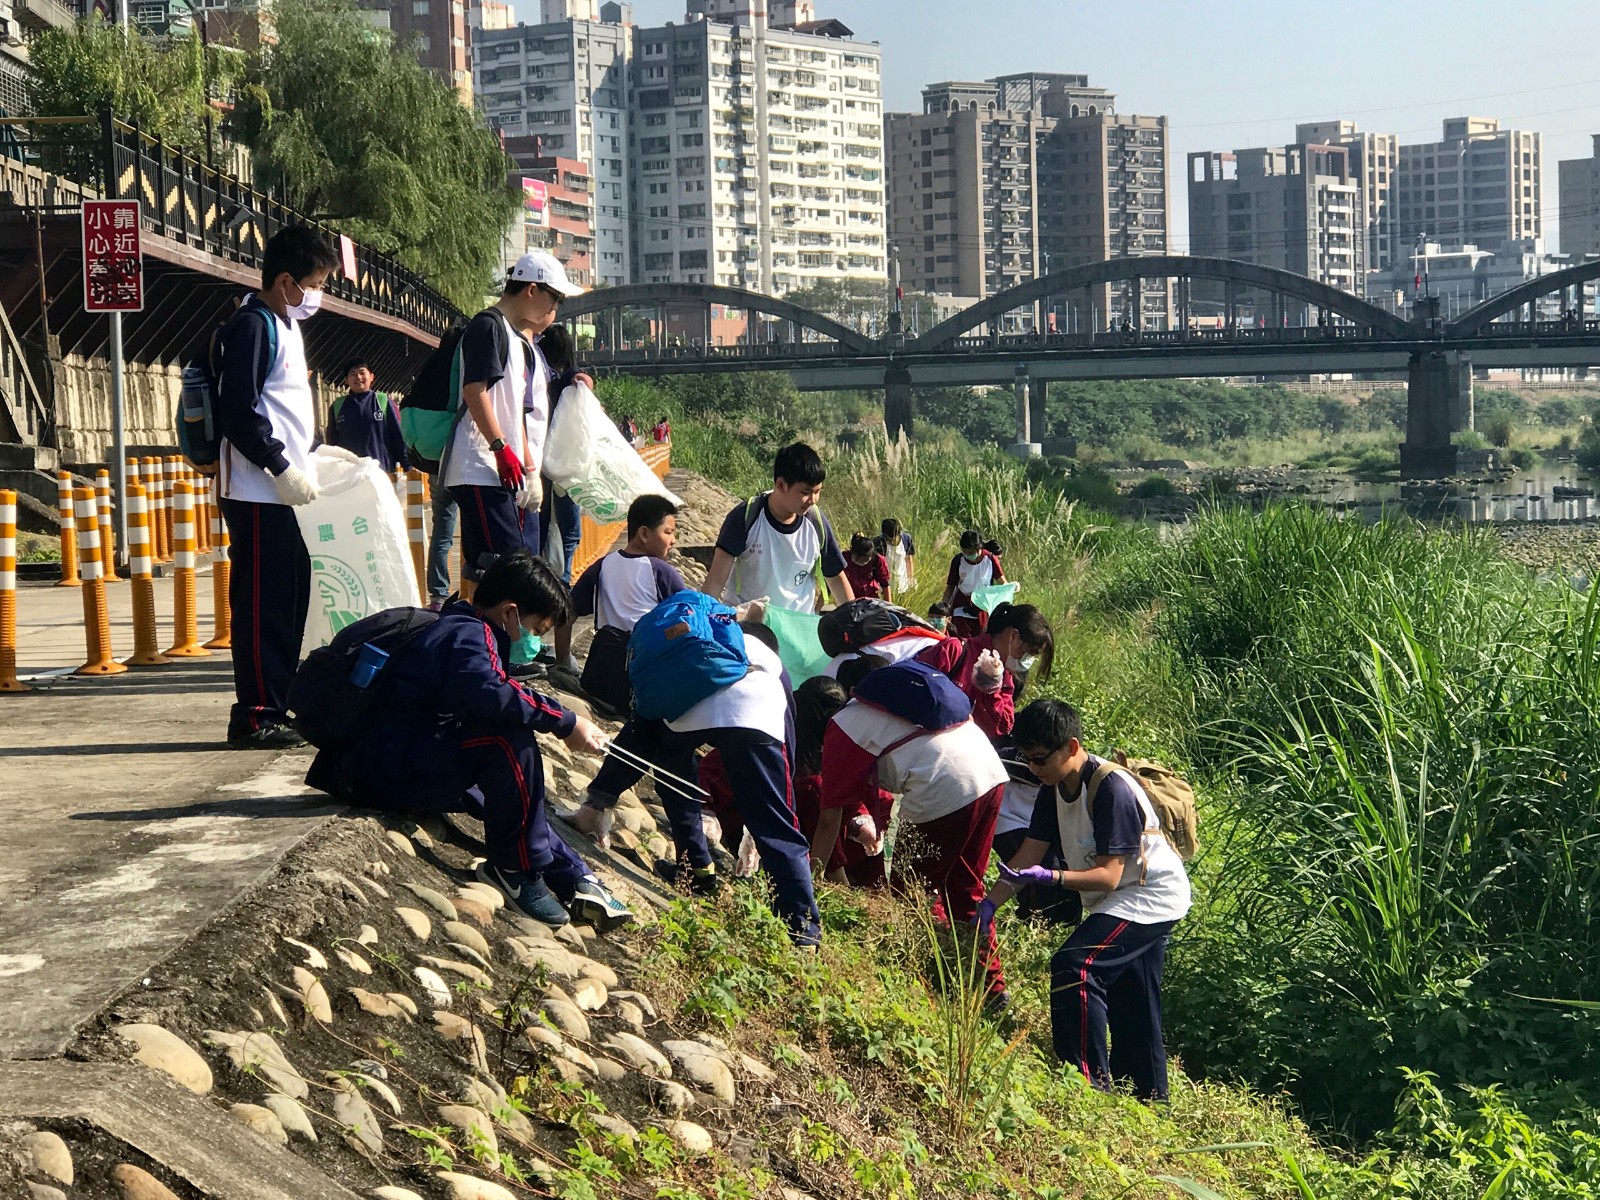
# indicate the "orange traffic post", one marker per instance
pixel 155 502
pixel 67 523
pixel 221 579
pixel 185 623
pixel 103 511
pixel 146 650
pixel 203 523
pixel 96 617
pixel 8 594
pixel 169 475
pixel 416 531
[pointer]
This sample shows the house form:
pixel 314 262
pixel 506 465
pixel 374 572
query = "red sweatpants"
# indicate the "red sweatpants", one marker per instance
pixel 948 856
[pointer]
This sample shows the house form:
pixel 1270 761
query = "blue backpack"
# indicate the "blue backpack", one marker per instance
pixel 681 651
pixel 915 692
pixel 199 438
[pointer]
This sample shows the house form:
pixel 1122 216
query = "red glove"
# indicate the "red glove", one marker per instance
pixel 510 467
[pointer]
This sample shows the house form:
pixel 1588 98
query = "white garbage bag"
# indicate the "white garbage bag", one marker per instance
pixel 587 457
pixel 355 533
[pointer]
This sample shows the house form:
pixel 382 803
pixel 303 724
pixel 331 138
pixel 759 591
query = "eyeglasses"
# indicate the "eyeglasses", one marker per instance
pixel 1038 760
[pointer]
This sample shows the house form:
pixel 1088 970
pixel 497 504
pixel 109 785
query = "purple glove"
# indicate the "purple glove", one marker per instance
pixel 1043 876
pixel 985 919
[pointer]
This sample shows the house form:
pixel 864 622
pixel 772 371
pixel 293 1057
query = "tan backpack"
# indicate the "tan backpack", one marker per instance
pixel 1169 794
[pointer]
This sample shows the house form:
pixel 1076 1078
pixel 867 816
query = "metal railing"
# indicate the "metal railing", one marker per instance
pixel 20 402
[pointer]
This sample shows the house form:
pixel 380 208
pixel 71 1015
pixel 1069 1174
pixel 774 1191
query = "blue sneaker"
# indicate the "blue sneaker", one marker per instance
pixel 527 892
pixel 593 902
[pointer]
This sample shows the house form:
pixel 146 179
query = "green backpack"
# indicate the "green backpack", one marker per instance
pixel 432 407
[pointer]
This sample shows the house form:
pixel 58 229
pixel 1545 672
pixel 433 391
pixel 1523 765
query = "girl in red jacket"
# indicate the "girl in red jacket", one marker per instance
pixel 975 567
pixel 991 667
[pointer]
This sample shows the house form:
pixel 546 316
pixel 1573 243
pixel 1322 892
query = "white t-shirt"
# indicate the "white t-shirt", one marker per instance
pixel 1016 806
pixel 934 773
pixel 970 577
pixel 1163 896
pixel 899 568
pixel 521 404
pixel 288 405
pixel 895 648
pixel 758 701
pixel 777 563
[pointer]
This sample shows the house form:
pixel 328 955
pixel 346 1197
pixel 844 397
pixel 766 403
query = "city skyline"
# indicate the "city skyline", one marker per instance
pixel 1418 65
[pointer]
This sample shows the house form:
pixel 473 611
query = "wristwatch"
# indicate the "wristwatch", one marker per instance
pixel 497 445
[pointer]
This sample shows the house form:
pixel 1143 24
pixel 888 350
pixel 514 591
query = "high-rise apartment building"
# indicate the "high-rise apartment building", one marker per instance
pixel 437 31
pixel 1478 184
pixel 1374 160
pixel 565 81
pixel 994 183
pixel 489 14
pixel 758 149
pixel 1580 203
pixel 1294 207
pixel 557 209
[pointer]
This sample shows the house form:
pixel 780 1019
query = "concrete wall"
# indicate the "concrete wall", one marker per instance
pixel 83 407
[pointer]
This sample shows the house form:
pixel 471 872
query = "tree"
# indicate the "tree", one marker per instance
pixel 84 68
pixel 862 304
pixel 361 136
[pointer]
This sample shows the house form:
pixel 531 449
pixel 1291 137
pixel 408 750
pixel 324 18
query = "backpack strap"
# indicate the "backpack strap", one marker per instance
pixel 1108 768
pixel 383 402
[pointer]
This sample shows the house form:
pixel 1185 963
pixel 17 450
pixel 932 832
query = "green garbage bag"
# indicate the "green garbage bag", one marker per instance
pixel 992 597
pixel 798 647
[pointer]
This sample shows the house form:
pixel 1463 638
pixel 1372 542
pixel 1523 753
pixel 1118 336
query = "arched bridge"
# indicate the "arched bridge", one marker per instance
pixel 1228 318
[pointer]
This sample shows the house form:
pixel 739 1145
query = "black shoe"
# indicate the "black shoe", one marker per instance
pixel 527 893
pixel 697 881
pixel 527 671
pixel 268 737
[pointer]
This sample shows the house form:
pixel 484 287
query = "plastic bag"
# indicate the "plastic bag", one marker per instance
pixel 588 458
pixel 355 533
pixel 992 597
pixel 798 648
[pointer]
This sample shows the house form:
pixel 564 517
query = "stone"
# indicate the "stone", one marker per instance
pixel 389 1192
pixel 754 1068
pixel 377 1005
pixel 422 837
pixel 589 969
pixel 362 1132
pixel 44 1153
pixel 570 936
pixel 554 959
pixel 361 1082
pixel 368 936
pixel 377 868
pixel 630 1014
pixel 467 954
pixel 438 991
pixel 567 1018
pixel 373 886
pixel 471 1121
pixel 467 936
pixel 291 1116
pixel 401 842
pixel 164 1051
pixel 477 890
pixel 277 1009
pixel 474 910
pixel 615 1126
pixel 353 960
pixel 490 1097
pixel 701 1065
pixel 639 998
pixel 260 1120
pixel 403 1001
pixel 640 1054
pixel 465 970
pixel 132 1183
pixel 671 1097
pixel 438 901
pixel 527 927
pixel 610 1070
pixel 315 959
pixel 43 1191
pixel 543 1035
pixel 313 995
pixel 590 995
pixel 258 1053
pixel 416 921
pixel 691 1137
pixel 451 1027
pixel 469 1187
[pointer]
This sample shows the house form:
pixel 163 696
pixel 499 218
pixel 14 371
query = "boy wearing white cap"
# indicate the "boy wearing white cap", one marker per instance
pixel 491 465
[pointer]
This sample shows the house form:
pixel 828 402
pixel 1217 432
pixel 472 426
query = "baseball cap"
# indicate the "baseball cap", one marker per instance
pixel 542 267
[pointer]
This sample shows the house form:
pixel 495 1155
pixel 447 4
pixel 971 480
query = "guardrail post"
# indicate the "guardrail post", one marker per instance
pixel 96 617
pixel 67 523
pixel 185 631
pixel 146 650
pixel 108 541
pixel 416 529
pixel 221 578
pixel 8 594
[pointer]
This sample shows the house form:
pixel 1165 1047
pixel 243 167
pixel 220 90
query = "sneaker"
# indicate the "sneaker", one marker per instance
pixel 527 892
pixel 570 665
pixel 525 671
pixel 268 737
pixel 593 902
pixel 698 881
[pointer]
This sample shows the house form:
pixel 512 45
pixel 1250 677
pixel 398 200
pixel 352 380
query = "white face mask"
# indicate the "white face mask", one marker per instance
pixel 310 302
pixel 1020 666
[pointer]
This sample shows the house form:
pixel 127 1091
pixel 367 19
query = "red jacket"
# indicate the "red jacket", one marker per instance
pixel 993 712
pixel 870 582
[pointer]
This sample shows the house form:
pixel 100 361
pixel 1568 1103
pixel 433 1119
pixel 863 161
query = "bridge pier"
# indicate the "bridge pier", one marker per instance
pixel 1438 404
pixel 898 404
pixel 1037 420
pixel 1022 387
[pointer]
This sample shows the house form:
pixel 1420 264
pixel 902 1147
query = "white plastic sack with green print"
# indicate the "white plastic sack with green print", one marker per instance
pixel 355 533
pixel 587 457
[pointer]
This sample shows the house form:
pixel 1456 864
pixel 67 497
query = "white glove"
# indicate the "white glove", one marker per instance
pixel 296 487
pixel 338 452
pixel 753 610
pixel 585 736
pixel 749 861
pixel 531 494
pixel 865 833
pixel 988 672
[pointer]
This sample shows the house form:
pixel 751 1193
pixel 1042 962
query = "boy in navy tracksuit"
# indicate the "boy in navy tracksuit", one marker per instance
pixel 365 421
pixel 457 734
pixel 267 418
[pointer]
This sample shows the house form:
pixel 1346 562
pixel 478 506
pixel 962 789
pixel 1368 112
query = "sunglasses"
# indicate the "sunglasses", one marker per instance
pixel 1038 760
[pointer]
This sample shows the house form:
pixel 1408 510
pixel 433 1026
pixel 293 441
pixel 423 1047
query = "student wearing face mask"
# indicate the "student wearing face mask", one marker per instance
pixel 456 734
pixel 992 667
pixel 267 417
pixel 975 567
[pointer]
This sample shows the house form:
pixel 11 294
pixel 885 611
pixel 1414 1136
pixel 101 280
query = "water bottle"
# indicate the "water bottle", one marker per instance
pixel 368 665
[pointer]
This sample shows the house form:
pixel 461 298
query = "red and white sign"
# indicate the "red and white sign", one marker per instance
pixel 113 259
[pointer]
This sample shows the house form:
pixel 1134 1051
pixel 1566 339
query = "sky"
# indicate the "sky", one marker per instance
pixel 1232 74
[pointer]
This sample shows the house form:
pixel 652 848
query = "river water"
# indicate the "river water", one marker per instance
pixel 1554 492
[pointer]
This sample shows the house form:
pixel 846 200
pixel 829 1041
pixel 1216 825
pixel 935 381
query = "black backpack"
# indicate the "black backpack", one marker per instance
pixel 431 407
pixel 331 710
pixel 854 626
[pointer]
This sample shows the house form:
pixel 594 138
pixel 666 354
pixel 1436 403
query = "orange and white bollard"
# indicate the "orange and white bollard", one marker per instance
pixel 185 627
pixel 169 485
pixel 203 524
pixel 221 579
pixel 155 503
pixel 8 595
pixel 146 650
pixel 106 515
pixel 416 529
pixel 96 617
pixel 67 523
